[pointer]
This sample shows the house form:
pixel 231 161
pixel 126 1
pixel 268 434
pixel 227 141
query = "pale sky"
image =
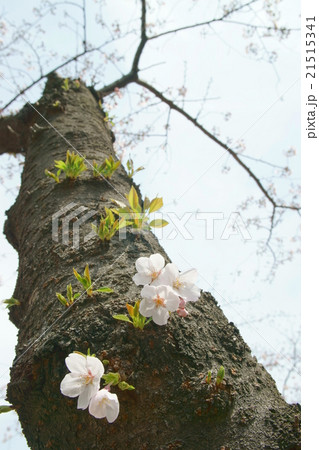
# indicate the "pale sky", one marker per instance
pixel 264 103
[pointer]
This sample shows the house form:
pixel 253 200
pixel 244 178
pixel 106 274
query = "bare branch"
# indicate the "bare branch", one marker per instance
pixel 133 74
pixel 42 77
pixel 84 26
pixel 235 156
pixel 201 24
pixel 262 161
pixel 142 41
pixel 261 27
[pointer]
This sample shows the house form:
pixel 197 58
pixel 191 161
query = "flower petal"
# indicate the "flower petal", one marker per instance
pixel 112 408
pixel 97 405
pixel 157 262
pixel 95 366
pixel 71 385
pixel 168 275
pixel 105 404
pixel 190 276
pixel 172 302
pixel 148 292
pixel 76 363
pixel 163 291
pixel 160 316
pixel 141 279
pixel 190 292
pixel 142 264
pixel 182 312
pixel 84 398
pixel 147 307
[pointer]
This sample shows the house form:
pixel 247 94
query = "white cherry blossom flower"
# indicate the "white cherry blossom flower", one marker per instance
pixel 148 269
pixel 83 381
pixel 157 302
pixel 183 284
pixel 105 404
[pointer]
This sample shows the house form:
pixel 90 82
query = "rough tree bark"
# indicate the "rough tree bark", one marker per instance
pixel 171 407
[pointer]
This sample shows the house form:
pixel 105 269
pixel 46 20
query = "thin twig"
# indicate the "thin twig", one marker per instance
pixel 235 156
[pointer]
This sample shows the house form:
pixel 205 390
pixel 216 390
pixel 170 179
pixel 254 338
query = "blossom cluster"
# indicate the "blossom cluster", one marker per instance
pixel 83 382
pixel 165 289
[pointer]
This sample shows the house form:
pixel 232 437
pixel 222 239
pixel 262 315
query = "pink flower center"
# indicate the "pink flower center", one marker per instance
pixel 89 377
pixel 154 275
pixel 177 284
pixel 159 301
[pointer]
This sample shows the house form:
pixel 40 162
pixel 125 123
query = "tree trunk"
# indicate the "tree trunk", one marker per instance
pixel 172 406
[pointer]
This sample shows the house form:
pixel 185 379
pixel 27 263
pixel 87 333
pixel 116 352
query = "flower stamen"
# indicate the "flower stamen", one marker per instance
pixel 154 275
pixel 89 377
pixel 177 284
pixel 159 301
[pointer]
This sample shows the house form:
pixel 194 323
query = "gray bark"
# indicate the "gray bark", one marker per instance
pixel 171 407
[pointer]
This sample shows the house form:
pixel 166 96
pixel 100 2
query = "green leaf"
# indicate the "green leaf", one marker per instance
pixel 11 302
pixel 105 362
pixel 116 165
pixel 6 408
pixel 69 292
pixel 50 174
pixel 156 204
pixel 78 276
pixel 111 378
pixel 87 274
pixel 65 85
pixel 125 386
pixel 60 165
pixel 136 309
pixel 62 299
pixel 133 199
pixel 209 377
pixel 220 375
pixel 130 310
pixel 122 317
pixel 77 295
pixel 158 223
pixel 104 289
pixel 129 164
pixel 109 213
pixel 123 223
pixel 146 203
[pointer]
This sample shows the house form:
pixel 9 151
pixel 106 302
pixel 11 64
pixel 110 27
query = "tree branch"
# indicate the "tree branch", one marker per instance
pixel 14 131
pixel 133 74
pixel 42 77
pixel 143 39
pixel 84 26
pixel 208 22
pixel 234 155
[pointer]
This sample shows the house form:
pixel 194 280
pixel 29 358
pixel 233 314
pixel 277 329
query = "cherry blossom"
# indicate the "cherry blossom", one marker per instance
pixel 105 404
pixel 148 269
pixel 158 302
pixel 182 311
pixel 183 284
pixel 83 381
